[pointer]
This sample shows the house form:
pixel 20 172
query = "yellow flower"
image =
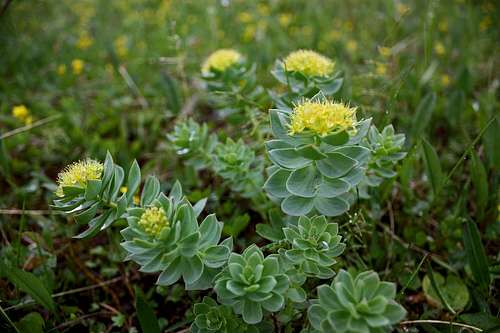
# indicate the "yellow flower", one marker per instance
pixel 20 112
pixel 381 69
pixel 445 80
pixel 285 19
pixel 334 35
pixel 153 221
pixel 84 42
pixel 348 25
pixel 352 46
pixel 245 17
pixel 120 45
pixel 123 189
pixel 249 33
pixel 485 23
pixel 322 117
pixel 221 60
pixel 443 26
pixel 440 49
pixel 78 174
pixel 309 63
pixel 77 66
pixel 263 9
pixel 402 8
pixel 28 120
pixel 61 69
pixel 384 51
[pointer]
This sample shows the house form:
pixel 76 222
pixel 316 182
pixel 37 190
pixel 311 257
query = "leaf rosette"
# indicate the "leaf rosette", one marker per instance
pixel 313 171
pixel 363 304
pixel 314 245
pixel 251 283
pixel 181 248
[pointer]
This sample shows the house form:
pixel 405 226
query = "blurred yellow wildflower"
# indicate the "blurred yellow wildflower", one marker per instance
pixel 245 17
pixel 384 51
pixel 263 9
pixel 221 60
pixel 352 46
pixel 84 42
pixel 439 48
pixel 61 69
pixel 120 45
pixel 402 8
pixel 381 69
pixel 443 26
pixel 334 35
pixel 309 63
pixel 485 23
pixel 249 33
pixel 349 26
pixel 321 117
pixel 77 66
pixel 285 19
pixel 445 80
pixel 20 112
pixel 153 221
pixel 78 174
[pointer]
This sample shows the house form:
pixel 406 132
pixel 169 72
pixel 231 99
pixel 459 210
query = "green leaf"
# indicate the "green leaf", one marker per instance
pixel 336 139
pixel 303 182
pixel 331 206
pixel 150 191
pixel 172 93
pixel 476 256
pixel 480 181
pixel 30 284
pixel 288 158
pixel 31 323
pixel 433 165
pixel 336 165
pixel 310 152
pixel 482 320
pixel 85 216
pixel 276 184
pixel 452 290
pixel 133 181
pixel 252 312
pixel 93 189
pixel 331 188
pixel 423 114
pixel 296 206
pixel 146 315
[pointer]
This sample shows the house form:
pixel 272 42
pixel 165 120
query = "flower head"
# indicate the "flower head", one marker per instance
pixel 20 112
pixel 84 42
pixel 309 63
pixel 221 60
pixel 153 221
pixel 78 174
pixel 321 117
pixel 77 66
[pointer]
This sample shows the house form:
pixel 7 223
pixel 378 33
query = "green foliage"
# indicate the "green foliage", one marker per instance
pixel 251 283
pixel 236 163
pixel 453 290
pixel 212 317
pixel 314 245
pixel 360 304
pixel 183 248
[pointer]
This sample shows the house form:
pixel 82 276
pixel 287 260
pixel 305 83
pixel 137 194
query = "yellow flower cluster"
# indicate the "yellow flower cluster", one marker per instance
pixel 221 60
pixel 78 174
pixel 309 63
pixel 77 66
pixel 22 113
pixel 153 221
pixel 84 42
pixel 322 118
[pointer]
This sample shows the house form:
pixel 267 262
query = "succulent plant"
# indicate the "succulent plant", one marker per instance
pixel 319 161
pixel 90 192
pixel 305 73
pixel 164 236
pixel 363 304
pixel 386 149
pixel 315 243
pixel 251 282
pixel 193 142
pixel 212 317
pixel 235 162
